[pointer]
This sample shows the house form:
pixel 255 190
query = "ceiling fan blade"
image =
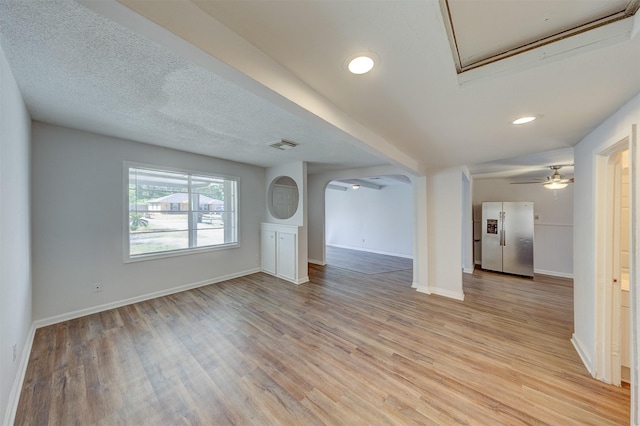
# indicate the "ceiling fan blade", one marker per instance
pixel 519 183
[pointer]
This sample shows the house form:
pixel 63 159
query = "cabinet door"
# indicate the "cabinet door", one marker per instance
pixel 268 251
pixel 287 256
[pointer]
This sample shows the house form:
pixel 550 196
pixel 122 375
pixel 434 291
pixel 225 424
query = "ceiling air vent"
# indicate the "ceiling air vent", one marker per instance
pixel 283 145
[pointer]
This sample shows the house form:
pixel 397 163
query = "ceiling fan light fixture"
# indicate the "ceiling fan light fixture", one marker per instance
pixel 555 185
pixel 525 119
pixel 360 64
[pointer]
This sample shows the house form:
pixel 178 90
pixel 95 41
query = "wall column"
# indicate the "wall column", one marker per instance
pixel 420 242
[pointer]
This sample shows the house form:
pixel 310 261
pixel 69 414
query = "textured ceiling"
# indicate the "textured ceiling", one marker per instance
pixel 80 69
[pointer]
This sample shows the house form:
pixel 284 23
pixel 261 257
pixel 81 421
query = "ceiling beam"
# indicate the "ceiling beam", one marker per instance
pixel 336 187
pixel 362 183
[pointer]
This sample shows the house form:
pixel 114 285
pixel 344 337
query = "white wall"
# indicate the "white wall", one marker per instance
pixel 615 129
pixel 298 172
pixel 79 215
pixel 553 231
pixel 15 246
pixel 379 221
pixel 444 232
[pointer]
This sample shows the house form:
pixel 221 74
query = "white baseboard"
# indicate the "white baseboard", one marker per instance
pixel 543 272
pixel 468 270
pixel 447 293
pixel 16 389
pixel 317 262
pixel 100 308
pixel 419 289
pixel 553 273
pixel 583 354
pixel 388 253
pixel 302 280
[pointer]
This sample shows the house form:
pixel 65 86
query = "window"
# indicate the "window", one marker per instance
pixel 173 212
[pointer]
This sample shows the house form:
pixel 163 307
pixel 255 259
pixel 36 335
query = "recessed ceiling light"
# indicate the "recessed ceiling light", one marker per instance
pixel 361 64
pixel 525 119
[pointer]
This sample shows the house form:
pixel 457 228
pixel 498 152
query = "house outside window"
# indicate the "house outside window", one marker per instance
pixel 174 212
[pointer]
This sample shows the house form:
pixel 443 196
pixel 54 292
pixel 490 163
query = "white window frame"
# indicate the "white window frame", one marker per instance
pixel 128 258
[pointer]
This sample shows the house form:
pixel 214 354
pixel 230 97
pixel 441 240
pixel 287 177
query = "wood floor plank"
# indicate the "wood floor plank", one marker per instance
pixel 345 348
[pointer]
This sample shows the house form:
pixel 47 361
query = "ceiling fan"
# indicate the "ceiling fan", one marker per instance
pixel 555 181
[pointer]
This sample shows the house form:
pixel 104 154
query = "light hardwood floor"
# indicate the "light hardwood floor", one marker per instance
pixel 344 349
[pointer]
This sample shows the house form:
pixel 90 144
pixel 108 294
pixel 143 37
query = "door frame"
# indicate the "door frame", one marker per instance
pixel 607 310
pixel 607 354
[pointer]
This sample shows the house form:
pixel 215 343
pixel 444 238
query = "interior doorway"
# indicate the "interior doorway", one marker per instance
pixel 613 248
pixel 369 223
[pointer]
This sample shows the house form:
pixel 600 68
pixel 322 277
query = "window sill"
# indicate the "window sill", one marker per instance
pixel 180 252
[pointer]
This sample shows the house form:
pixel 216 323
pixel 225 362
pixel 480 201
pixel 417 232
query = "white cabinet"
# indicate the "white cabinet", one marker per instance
pixel 279 245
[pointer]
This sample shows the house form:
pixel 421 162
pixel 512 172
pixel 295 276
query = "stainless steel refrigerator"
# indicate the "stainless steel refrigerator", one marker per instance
pixel 507 237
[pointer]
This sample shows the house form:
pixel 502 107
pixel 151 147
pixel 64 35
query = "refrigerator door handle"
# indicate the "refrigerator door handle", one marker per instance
pixel 504 229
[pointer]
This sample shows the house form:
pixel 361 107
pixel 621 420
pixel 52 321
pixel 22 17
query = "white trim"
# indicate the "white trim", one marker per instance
pixel 560 49
pixel 388 253
pixel 180 252
pixel 552 273
pixel 469 270
pixel 448 293
pixel 16 389
pixel 317 262
pixel 419 289
pixel 302 280
pixel 100 308
pixel 583 354
pixel 607 295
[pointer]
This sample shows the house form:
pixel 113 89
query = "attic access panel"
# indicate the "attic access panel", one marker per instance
pixel 482 32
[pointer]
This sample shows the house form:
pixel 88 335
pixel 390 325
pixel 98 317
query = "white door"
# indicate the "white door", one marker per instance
pixel 615 276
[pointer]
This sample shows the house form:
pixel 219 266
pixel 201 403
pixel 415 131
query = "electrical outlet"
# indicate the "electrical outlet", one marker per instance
pixel 15 352
pixel 97 287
